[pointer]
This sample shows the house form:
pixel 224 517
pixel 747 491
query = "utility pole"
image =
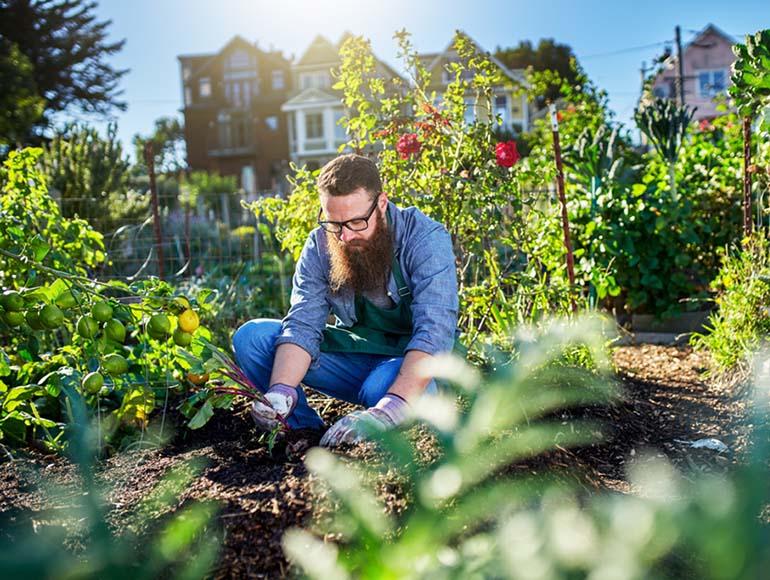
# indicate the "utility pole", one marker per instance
pixel 680 77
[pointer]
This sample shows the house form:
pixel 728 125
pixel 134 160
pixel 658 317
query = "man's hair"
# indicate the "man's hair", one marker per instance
pixel 347 173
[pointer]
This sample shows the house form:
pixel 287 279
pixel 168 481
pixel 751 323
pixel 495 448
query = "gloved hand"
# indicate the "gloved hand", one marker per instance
pixel 283 399
pixel 390 411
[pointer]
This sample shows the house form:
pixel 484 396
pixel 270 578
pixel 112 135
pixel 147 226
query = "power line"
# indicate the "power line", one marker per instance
pixel 625 50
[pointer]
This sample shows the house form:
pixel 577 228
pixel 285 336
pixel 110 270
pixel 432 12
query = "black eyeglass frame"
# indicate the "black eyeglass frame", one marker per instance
pixel 336 227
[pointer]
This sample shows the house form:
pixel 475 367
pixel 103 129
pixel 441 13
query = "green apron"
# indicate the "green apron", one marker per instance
pixel 382 331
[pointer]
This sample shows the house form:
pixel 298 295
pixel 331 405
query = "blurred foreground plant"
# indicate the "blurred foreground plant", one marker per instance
pixel 468 518
pixel 180 546
pixel 458 500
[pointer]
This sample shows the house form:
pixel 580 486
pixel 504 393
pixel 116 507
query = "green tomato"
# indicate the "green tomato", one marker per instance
pixel 51 316
pixel 114 330
pixel 13 319
pixel 101 311
pixel 93 382
pixel 115 364
pixel 158 326
pixel 12 301
pixel 33 320
pixel 87 327
pixel 182 338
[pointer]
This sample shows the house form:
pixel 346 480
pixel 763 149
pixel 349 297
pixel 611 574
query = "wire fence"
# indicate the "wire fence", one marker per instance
pixel 218 234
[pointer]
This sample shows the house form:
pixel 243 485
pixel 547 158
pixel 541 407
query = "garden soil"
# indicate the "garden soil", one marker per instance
pixel 668 403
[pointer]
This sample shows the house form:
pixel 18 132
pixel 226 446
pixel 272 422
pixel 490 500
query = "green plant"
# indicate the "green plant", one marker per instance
pixel 89 174
pixel 750 88
pixel 739 326
pixel 455 500
pixel 52 343
pixel 206 359
pixel 35 544
pixel 665 124
pixel 468 517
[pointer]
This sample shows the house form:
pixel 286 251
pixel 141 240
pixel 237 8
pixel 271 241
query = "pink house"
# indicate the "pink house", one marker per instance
pixel 707 59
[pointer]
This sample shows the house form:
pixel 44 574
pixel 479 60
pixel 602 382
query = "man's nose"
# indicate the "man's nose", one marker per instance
pixel 347 234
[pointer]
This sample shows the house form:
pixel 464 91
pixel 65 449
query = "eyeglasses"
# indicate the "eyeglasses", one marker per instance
pixel 354 225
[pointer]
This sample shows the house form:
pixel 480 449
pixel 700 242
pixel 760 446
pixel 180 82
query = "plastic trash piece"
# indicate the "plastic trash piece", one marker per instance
pixel 707 443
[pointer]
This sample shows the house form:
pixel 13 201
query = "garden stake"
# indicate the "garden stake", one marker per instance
pixel 563 201
pixel 150 159
pixel 746 176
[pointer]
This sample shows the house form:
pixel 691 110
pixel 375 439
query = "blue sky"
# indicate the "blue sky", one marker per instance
pixel 611 39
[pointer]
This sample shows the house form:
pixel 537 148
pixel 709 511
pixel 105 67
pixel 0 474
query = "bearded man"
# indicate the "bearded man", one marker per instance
pixel 388 277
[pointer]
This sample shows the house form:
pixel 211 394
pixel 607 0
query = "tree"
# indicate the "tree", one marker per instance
pixel 89 174
pixel 20 104
pixel 168 146
pixel 549 55
pixel 67 49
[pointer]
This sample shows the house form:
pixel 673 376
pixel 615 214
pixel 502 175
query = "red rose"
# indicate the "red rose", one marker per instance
pixel 408 145
pixel 506 154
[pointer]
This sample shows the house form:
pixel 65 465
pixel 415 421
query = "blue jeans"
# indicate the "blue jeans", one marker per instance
pixel 361 379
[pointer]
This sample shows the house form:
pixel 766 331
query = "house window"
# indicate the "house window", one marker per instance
pixel 272 123
pixel 238 93
pixel 204 88
pixel 278 83
pixel 314 80
pixel 186 73
pixel 187 96
pixel 661 91
pixel 239 59
pixel 501 109
pixel 234 131
pixel 712 82
pixel 314 126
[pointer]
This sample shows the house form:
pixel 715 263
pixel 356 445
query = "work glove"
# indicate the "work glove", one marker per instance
pixel 390 411
pixel 283 399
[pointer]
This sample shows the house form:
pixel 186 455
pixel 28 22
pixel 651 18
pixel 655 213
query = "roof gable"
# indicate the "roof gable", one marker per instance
pixel 437 59
pixel 320 51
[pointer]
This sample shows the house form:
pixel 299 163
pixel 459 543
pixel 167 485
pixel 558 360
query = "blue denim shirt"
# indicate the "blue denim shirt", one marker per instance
pixel 424 250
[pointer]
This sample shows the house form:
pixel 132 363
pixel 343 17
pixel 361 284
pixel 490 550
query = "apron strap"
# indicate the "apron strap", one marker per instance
pixel 398 275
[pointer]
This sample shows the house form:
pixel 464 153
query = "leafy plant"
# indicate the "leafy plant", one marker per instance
pixel 62 329
pixel 750 80
pixel 456 500
pixel 741 323
pixel 469 517
pixel 184 545
pixel 214 363
pixel 665 124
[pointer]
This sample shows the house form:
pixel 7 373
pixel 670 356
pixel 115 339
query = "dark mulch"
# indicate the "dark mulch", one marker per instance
pixel 667 403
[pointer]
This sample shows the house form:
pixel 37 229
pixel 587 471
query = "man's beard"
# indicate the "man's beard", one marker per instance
pixel 362 265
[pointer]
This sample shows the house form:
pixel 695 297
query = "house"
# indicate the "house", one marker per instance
pixel 314 108
pixel 706 62
pixel 232 113
pixel 512 108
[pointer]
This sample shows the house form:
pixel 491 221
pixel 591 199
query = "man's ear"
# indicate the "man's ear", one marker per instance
pixel 383 201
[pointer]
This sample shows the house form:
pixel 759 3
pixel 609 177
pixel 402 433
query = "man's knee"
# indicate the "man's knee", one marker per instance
pixel 256 336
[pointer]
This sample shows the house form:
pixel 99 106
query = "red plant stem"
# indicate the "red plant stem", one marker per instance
pixel 563 201
pixel 150 159
pixel 746 176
